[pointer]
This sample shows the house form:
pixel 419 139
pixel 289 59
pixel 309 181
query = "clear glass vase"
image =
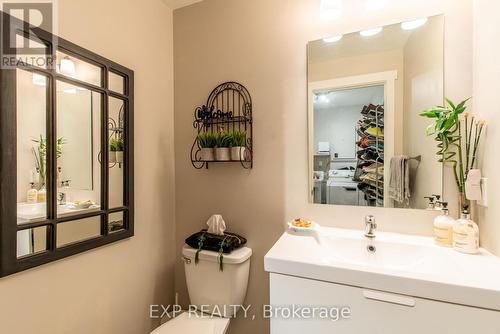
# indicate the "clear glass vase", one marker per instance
pixel 463 203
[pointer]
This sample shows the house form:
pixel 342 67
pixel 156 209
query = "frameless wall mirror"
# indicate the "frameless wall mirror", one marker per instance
pixel 367 142
pixel 67 151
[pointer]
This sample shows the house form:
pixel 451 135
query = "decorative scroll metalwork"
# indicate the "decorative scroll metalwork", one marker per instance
pixel 228 109
pixel 115 130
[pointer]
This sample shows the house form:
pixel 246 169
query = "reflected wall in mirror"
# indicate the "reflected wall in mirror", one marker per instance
pixel 79 142
pixel 115 222
pixel 78 230
pixel 31 241
pixel 67 143
pixel 31 146
pixel 78 69
pixel 116 151
pixel 367 141
pixel 78 147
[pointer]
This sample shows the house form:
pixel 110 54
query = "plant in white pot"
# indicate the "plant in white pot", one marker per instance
pixel 112 151
pixel 238 140
pixel 222 146
pixel 207 142
pixel 118 142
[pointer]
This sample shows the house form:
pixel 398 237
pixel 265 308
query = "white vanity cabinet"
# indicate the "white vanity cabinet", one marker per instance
pixel 372 311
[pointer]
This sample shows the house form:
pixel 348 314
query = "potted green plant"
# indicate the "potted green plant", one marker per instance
pixel 238 140
pixel 41 155
pixel 119 150
pixel 112 151
pixel 207 142
pixel 458 138
pixel 222 146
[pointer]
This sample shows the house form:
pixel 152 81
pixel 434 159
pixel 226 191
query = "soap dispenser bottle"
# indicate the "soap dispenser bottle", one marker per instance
pixel 443 227
pixel 42 195
pixel 32 195
pixel 466 234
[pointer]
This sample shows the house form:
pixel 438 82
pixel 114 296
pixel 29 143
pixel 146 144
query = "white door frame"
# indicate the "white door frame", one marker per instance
pixel 388 80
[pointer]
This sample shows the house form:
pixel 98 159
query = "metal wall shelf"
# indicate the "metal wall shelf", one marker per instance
pixel 228 108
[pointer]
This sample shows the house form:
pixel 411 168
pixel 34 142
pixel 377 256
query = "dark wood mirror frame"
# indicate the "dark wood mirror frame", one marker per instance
pixel 9 262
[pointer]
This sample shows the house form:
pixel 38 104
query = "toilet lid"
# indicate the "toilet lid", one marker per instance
pixel 193 323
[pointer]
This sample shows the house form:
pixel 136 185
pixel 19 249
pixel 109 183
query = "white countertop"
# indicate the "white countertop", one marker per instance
pixel 403 264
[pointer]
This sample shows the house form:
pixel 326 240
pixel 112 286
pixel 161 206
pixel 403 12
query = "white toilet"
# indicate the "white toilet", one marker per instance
pixel 212 291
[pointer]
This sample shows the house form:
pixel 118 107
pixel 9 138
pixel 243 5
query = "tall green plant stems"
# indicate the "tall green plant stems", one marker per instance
pixel 41 154
pixel 457 137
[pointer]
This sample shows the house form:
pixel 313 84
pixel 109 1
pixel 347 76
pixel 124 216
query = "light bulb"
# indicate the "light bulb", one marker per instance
pixel 67 67
pixel 410 25
pixel 370 32
pixel 323 98
pixel 332 39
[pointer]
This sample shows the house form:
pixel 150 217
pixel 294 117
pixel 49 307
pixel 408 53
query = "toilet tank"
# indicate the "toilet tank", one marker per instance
pixel 214 291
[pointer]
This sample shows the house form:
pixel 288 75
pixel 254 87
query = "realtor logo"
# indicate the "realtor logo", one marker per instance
pixel 22 24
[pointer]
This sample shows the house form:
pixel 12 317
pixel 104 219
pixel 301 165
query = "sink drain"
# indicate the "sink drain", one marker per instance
pixel 371 249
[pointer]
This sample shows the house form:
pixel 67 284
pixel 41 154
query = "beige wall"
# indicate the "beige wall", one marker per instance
pixel 109 290
pixel 262 44
pixel 486 88
pixel 390 60
pixel 423 88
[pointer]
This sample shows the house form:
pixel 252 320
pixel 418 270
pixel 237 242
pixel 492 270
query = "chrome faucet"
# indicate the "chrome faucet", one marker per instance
pixel 61 198
pixel 370 226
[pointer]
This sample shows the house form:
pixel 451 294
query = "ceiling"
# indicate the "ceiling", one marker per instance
pixel 174 4
pixel 349 97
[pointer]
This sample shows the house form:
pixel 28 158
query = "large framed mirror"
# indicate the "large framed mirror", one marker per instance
pixel 66 135
pixel 367 142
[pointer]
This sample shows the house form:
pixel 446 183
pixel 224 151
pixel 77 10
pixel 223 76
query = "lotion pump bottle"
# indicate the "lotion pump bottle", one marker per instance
pixel 32 195
pixel 443 227
pixel 42 195
pixel 466 234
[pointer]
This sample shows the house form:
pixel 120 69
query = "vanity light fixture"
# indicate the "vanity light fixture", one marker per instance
pixel 370 32
pixel 410 25
pixel 39 80
pixel 332 39
pixel 67 67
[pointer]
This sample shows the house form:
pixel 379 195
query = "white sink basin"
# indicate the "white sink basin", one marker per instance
pixel 374 253
pixel 33 212
pixel 404 264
